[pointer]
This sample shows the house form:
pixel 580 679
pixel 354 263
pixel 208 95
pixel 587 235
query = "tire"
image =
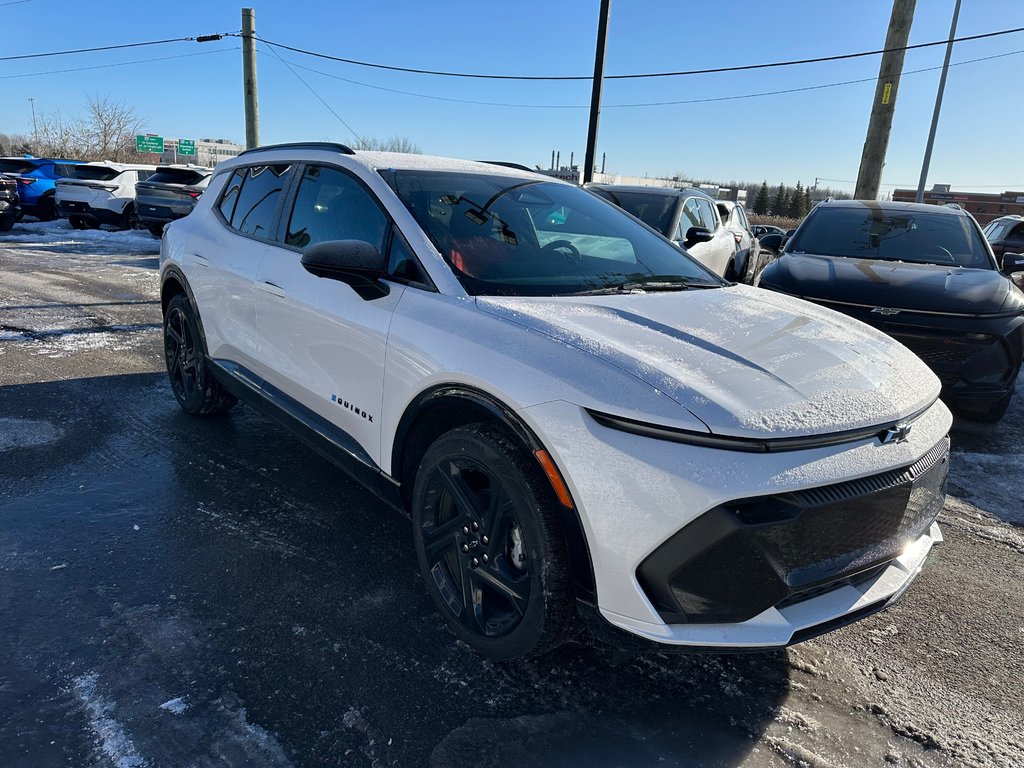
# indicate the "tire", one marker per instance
pixel 130 219
pixel 490 548
pixel 7 221
pixel 77 222
pixel 156 230
pixel 46 209
pixel 194 387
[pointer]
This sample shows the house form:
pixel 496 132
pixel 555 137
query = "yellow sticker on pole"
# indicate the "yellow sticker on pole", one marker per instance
pixel 886 93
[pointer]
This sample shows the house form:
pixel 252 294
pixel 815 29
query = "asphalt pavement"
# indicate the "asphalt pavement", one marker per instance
pixel 179 591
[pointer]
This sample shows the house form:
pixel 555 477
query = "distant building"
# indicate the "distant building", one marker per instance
pixel 209 152
pixel 981 205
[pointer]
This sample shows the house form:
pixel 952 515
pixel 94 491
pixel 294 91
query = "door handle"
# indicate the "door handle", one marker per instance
pixel 272 288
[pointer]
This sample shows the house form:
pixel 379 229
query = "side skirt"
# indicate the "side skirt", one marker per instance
pixel 327 439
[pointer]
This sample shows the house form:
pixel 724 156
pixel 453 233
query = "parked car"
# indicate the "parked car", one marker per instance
pixel 10 203
pixel 760 230
pixel 686 216
pixel 575 413
pixel 925 275
pixel 169 194
pixel 748 249
pixel 102 193
pixel 36 177
pixel 1006 235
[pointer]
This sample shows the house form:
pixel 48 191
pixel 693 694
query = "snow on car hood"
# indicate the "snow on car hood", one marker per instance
pixel 745 361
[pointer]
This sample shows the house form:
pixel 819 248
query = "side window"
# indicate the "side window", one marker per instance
pixel 331 205
pixel 707 213
pixel 742 215
pixel 1018 234
pixel 402 262
pixel 254 211
pixel 690 217
pixel 230 195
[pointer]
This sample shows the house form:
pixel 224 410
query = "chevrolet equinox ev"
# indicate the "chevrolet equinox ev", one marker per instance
pixel 585 425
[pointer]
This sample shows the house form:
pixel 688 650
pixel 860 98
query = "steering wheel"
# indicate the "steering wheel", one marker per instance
pixel 938 249
pixel 566 248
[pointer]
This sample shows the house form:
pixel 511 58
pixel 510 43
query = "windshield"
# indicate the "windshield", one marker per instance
pixel 654 210
pixel 893 235
pixel 96 173
pixel 512 236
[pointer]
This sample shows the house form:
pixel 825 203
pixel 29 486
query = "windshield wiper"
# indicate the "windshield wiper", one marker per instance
pixel 650 287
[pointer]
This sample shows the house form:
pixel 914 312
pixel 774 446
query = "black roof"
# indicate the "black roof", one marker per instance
pixel 662 191
pixel 894 206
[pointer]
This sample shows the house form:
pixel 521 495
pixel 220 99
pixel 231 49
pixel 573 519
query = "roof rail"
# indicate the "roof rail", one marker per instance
pixel 328 145
pixel 517 166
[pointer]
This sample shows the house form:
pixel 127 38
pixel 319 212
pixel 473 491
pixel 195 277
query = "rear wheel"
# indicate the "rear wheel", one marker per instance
pixel 491 551
pixel 46 210
pixel 130 218
pixel 7 221
pixel 78 222
pixel 194 387
pixel 156 230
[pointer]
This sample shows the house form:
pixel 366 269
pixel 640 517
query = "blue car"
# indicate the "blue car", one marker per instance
pixel 36 176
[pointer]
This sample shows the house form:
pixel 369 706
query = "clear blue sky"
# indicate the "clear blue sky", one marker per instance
pixel 798 136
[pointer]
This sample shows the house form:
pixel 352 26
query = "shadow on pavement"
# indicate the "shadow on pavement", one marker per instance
pixel 150 557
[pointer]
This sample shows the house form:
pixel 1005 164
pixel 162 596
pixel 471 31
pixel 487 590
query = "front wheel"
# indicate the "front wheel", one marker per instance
pixel 47 209
pixel 490 548
pixel 194 387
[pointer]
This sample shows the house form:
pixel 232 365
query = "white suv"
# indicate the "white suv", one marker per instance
pixel 101 193
pixel 578 417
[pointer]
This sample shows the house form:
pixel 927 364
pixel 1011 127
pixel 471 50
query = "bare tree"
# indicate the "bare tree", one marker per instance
pixel 15 144
pixel 110 129
pixel 394 144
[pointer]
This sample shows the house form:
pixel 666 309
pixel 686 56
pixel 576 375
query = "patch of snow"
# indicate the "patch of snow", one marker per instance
pixel 26 433
pixel 113 740
pixel 60 232
pixel 175 706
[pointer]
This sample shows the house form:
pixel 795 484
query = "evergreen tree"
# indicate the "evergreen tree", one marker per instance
pixel 807 200
pixel 779 198
pixel 796 208
pixel 761 201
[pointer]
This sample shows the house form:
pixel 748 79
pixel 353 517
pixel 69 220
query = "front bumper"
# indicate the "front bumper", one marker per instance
pixel 634 494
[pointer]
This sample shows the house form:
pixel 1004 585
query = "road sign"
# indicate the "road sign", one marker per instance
pixel 153 144
pixel 186 147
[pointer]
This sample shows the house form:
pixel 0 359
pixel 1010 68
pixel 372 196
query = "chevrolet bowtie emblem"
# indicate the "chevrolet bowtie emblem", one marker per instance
pixel 885 311
pixel 898 434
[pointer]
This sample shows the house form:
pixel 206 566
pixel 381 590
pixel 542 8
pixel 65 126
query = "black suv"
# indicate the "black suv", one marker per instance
pixel 923 274
pixel 10 206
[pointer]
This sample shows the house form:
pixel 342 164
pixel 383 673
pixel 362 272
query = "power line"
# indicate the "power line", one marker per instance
pixel 119 64
pixel 313 91
pixel 638 104
pixel 911 186
pixel 200 38
pixel 15 2
pixel 713 70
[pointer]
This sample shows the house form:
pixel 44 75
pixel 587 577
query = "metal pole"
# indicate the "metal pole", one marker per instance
pixel 938 107
pixel 35 130
pixel 595 94
pixel 869 177
pixel 252 109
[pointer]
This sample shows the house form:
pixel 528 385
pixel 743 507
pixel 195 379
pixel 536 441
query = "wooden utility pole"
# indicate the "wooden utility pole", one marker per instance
pixel 873 157
pixel 252 107
pixel 595 94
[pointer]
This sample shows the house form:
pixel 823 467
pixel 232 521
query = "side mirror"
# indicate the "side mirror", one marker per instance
pixel 696 235
pixel 1013 262
pixel 353 262
pixel 772 242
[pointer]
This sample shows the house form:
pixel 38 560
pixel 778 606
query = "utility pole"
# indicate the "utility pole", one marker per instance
pixel 919 197
pixel 595 94
pixel 252 107
pixel 35 130
pixel 872 159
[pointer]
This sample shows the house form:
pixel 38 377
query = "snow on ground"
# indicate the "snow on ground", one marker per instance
pixel 60 232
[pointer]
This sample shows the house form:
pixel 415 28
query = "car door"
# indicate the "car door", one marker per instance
pixel 320 344
pixel 228 255
pixel 722 247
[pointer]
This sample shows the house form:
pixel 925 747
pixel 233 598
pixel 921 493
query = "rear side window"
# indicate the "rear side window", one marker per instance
pixel 64 170
pixel 1018 234
pixel 142 175
pixel 96 173
pixel 15 167
pixel 230 195
pixel 331 205
pixel 257 200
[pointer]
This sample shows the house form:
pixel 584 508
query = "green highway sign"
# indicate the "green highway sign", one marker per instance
pixel 154 144
pixel 186 147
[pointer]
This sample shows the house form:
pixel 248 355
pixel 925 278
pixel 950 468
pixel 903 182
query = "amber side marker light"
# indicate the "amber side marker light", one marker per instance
pixel 554 477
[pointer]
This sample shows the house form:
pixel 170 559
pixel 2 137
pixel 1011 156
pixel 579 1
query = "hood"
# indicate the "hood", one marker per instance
pixel 895 284
pixel 746 362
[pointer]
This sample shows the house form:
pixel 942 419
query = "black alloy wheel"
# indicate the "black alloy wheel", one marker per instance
pixel 131 218
pixel 196 391
pixel 491 552
pixel 47 209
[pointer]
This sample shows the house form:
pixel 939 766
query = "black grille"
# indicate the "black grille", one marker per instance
pixel 948 350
